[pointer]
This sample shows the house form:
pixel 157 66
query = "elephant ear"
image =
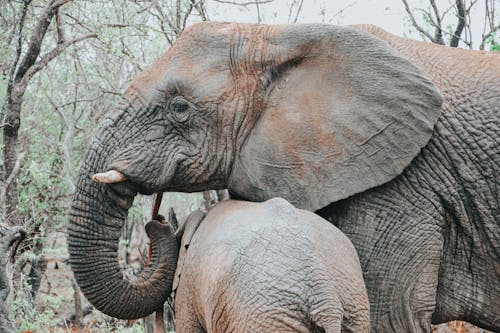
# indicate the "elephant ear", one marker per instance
pixel 343 113
pixel 184 236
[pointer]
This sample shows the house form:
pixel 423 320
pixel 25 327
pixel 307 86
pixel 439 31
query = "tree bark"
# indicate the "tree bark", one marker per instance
pixel 455 38
pixel 10 142
pixel 9 241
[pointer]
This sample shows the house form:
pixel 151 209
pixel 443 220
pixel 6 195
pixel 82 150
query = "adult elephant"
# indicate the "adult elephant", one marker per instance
pixel 395 141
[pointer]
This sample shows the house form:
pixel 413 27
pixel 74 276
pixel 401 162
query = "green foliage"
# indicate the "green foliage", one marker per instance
pixel 135 328
pixel 30 318
pixel 494 41
pixel 39 322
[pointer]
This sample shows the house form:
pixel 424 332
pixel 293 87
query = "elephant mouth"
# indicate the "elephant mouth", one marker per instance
pixel 124 186
pixel 122 190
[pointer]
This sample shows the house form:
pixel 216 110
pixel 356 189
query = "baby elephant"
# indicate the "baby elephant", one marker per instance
pixel 267 267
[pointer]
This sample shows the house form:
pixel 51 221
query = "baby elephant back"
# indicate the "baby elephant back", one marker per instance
pixel 274 268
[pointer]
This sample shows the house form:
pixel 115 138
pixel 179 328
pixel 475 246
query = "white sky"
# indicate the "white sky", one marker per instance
pixel 388 14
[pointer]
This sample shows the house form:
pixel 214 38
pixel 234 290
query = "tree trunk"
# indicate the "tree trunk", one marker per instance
pixel 10 143
pixel 5 324
pixel 9 241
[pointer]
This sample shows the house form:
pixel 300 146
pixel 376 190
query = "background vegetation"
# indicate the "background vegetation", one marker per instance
pixel 63 64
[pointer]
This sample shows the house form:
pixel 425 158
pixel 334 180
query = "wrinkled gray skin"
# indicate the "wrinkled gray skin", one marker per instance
pixel 394 141
pixel 267 267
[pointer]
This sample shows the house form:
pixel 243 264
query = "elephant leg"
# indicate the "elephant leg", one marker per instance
pixel 401 280
pixel 399 244
pixel 186 320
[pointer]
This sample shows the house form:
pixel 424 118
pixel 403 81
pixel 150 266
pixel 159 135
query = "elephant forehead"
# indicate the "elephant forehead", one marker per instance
pixel 192 74
pixel 207 55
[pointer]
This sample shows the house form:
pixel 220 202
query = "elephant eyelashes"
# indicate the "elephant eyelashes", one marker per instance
pixel 181 108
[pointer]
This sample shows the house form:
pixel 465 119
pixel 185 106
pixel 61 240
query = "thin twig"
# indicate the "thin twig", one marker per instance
pixel 35 43
pixel 298 11
pixel 415 24
pixel 36 67
pixel 244 4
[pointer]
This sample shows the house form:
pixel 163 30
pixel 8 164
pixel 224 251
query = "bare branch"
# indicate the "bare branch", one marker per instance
pixel 178 13
pixel 416 25
pixel 60 31
pixel 162 19
pixel 489 22
pixel 436 12
pixel 13 174
pixel 450 7
pixel 50 56
pixel 200 8
pixel 342 10
pixel 257 3
pixel 290 9
pixel 36 39
pixel 488 35
pixel 455 38
pixel 472 3
pixel 78 22
pixel 432 16
pixel 19 46
pixel 438 33
pixel 428 16
pixel 186 16
pixel 170 23
pixel 298 11
pixel 244 4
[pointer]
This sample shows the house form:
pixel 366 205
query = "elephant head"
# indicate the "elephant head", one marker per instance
pixel 311 113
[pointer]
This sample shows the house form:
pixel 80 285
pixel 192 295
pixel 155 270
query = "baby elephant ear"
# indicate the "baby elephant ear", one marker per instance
pixel 184 236
pixel 343 113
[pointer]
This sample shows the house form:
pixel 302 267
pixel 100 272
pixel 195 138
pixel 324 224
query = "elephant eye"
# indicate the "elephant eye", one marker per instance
pixel 180 108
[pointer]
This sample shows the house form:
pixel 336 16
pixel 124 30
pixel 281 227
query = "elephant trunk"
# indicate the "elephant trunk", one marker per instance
pixel 93 238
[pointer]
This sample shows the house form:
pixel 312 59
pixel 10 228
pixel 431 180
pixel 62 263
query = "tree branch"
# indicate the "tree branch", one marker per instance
pixel 342 10
pixel 298 11
pixel 416 25
pixel 455 38
pixel 488 35
pixel 50 56
pixel 438 34
pixel 10 178
pixel 19 46
pixel 200 8
pixel 489 13
pixel 60 31
pixel 37 36
pixel 178 13
pixel 244 4
pixel 186 16
pixel 15 171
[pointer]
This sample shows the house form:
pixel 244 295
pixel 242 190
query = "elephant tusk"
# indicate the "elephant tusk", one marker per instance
pixel 109 177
